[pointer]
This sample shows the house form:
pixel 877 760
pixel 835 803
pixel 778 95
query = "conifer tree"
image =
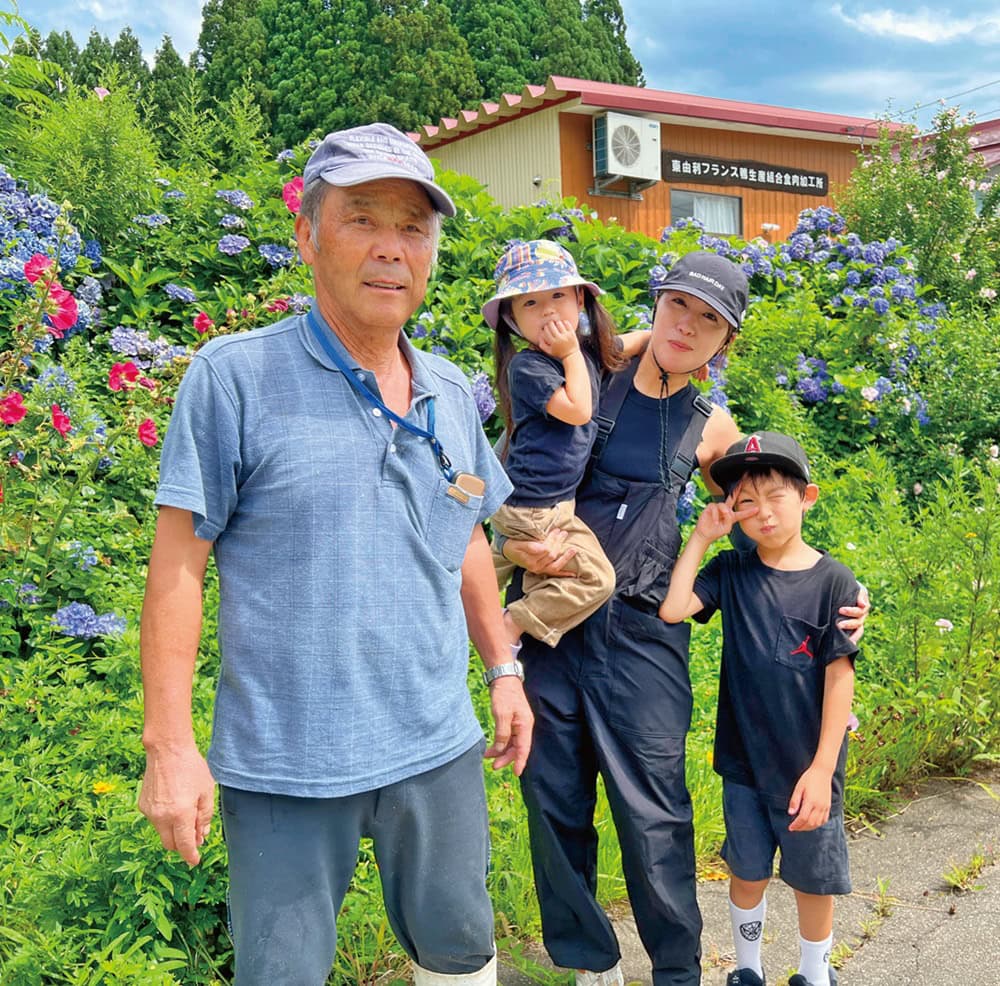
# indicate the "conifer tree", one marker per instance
pixel 167 82
pixel 95 59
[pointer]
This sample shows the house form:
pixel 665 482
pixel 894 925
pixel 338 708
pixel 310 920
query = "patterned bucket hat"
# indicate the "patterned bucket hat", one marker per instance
pixel 533 265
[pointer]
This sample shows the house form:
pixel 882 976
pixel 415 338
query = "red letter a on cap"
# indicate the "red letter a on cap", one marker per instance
pixel 753 444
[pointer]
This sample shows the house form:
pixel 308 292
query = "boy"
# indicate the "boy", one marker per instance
pixel 785 694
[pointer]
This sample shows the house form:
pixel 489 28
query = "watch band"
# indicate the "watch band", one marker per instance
pixel 514 668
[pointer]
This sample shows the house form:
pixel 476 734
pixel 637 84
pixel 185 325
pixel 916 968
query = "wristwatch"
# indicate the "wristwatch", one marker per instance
pixel 503 671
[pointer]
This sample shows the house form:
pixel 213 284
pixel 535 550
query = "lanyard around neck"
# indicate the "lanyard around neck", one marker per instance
pixel 373 399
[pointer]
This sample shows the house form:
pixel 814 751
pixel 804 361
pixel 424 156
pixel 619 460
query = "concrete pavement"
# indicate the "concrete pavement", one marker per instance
pixel 904 922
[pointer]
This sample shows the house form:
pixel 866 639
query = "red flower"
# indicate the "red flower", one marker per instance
pixel 66 313
pixel 202 322
pixel 278 305
pixel 12 408
pixel 147 433
pixel 292 194
pixel 60 420
pixel 36 267
pixel 121 375
pixel 147 383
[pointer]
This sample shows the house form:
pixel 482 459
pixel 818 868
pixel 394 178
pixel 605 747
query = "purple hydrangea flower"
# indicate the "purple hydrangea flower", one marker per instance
pixel 174 193
pixel 275 255
pixel 153 220
pixel 229 221
pixel 179 293
pixel 80 620
pixel 236 198
pixel 233 245
pixel 482 393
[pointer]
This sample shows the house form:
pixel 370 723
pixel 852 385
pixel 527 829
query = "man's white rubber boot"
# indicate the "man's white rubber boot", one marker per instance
pixel 487 976
pixel 610 977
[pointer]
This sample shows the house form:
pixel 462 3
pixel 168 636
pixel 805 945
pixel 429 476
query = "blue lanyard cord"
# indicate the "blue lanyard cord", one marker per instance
pixel 443 461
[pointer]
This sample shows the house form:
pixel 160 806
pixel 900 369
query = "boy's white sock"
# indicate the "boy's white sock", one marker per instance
pixel 748 933
pixel 814 960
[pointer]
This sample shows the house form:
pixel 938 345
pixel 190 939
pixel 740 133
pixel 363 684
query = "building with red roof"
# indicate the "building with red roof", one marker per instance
pixel 647 157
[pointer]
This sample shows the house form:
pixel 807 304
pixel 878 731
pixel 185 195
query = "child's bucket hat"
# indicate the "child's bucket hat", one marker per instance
pixel 533 265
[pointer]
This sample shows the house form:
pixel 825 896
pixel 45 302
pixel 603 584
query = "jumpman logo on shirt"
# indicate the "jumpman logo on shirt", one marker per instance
pixel 803 648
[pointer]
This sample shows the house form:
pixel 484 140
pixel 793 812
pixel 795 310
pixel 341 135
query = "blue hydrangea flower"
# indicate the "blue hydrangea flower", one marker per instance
pixel 233 245
pixel 179 293
pixel 229 221
pixel 153 220
pixel 880 306
pixel 300 303
pixel 92 251
pixel 145 352
pixel 685 503
pixel 90 291
pixel 286 155
pixel 236 198
pixel 83 554
pixel 275 255
pixel 482 393
pixel 174 193
pixel 80 620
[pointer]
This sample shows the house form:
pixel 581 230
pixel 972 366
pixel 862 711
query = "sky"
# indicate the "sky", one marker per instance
pixel 857 57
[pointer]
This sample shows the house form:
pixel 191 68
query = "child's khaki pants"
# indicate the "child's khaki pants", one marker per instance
pixel 551 605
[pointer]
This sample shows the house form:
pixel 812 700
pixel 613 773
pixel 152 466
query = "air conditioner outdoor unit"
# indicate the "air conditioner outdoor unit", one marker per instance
pixel 626 147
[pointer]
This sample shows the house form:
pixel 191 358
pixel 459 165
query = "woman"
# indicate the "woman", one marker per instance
pixel 614 697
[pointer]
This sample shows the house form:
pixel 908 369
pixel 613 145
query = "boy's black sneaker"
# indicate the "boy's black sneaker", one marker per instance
pixel 745 977
pixel 799 980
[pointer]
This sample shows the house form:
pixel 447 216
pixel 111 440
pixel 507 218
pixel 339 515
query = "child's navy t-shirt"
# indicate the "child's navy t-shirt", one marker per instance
pixel 779 632
pixel 547 457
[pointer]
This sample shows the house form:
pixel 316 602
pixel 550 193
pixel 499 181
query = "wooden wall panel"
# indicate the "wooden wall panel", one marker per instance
pixel 649 216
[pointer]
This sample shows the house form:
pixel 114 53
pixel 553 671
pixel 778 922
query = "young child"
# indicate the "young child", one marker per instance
pixel 785 694
pixel 548 395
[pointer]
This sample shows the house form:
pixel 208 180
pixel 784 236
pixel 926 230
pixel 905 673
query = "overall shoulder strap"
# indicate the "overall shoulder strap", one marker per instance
pixel 686 459
pixel 613 395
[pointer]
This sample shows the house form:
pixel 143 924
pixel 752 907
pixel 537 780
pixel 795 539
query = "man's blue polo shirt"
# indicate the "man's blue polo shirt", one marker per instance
pixel 341 629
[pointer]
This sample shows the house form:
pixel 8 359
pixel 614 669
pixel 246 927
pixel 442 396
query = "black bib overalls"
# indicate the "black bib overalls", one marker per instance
pixel 614 698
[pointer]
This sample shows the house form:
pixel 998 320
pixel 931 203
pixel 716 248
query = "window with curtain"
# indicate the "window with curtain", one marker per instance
pixel 721 214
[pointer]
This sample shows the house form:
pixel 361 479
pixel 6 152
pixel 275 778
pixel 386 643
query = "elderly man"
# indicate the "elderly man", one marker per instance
pixel 341 478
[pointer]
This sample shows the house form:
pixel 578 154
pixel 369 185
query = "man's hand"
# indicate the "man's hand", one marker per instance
pixel 856 615
pixel 558 338
pixel 548 557
pixel 512 724
pixel 810 801
pixel 178 797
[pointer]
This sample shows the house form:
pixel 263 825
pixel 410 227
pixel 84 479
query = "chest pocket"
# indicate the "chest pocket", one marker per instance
pixel 799 645
pixel 450 523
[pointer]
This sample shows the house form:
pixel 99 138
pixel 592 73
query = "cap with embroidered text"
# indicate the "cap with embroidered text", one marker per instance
pixel 714 279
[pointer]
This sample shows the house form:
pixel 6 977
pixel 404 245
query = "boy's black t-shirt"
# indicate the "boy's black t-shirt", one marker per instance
pixel 779 633
pixel 547 457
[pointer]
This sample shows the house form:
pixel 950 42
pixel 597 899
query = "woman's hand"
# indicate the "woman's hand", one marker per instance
pixel 548 557
pixel 856 615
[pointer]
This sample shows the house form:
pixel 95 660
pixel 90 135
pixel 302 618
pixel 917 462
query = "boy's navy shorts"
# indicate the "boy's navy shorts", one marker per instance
pixel 811 862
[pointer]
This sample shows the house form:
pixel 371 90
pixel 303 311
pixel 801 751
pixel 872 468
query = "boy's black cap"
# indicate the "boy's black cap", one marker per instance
pixel 763 448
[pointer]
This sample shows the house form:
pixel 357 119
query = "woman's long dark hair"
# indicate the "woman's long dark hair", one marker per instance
pixel 601 343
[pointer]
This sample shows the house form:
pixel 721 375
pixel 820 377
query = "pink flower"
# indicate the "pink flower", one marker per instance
pixel 202 322
pixel 147 432
pixel 147 383
pixel 12 408
pixel 36 267
pixel 66 313
pixel 60 420
pixel 100 92
pixel 278 305
pixel 292 194
pixel 121 375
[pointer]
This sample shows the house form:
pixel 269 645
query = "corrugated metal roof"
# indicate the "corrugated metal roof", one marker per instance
pixel 657 102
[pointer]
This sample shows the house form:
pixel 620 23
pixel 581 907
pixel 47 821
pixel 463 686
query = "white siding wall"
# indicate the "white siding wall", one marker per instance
pixel 509 157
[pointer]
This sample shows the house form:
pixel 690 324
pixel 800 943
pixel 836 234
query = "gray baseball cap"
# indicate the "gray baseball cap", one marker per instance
pixel 714 279
pixel 762 448
pixel 372 152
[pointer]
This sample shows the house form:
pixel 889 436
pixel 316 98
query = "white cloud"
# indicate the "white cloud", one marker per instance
pixel 930 26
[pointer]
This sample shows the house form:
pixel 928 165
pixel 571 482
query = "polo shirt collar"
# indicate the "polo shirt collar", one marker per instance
pixel 422 380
